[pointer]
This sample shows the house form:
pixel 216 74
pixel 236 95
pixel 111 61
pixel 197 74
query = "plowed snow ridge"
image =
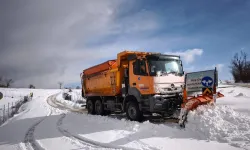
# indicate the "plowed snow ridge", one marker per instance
pixel 221 123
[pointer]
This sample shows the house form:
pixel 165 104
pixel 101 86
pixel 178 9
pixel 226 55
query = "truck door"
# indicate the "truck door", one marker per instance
pixel 138 76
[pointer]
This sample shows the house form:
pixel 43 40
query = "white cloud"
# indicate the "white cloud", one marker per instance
pixel 139 22
pixel 189 69
pixel 41 39
pixel 189 55
pixel 47 41
pixel 219 66
pixel 222 71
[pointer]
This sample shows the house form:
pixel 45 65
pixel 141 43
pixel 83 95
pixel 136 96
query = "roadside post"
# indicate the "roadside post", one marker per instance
pixel 1 95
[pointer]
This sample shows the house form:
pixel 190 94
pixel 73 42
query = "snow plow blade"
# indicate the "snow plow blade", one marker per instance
pixel 193 102
pixel 204 82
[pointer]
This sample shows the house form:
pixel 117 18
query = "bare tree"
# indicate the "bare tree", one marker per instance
pixel 31 86
pixel 60 84
pixel 8 82
pixel 2 83
pixel 1 80
pixel 240 67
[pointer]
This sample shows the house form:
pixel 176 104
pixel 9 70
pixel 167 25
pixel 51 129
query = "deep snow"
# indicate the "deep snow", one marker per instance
pixel 225 126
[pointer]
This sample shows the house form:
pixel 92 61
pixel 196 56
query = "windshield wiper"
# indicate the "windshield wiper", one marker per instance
pixel 171 72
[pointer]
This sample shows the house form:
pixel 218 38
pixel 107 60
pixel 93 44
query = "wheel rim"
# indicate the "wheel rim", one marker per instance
pixel 98 107
pixel 90 106
pixel 132 112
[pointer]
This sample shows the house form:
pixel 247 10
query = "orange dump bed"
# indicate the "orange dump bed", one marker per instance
pixel 110 64
pixel 102 79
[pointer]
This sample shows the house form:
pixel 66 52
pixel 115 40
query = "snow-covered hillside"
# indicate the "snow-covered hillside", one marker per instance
pixel 49 122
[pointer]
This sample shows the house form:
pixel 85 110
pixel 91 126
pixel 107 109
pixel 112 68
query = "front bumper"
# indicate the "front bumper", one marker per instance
pixel 164 103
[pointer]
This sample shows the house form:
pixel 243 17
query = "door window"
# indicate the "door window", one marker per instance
pixel 139 67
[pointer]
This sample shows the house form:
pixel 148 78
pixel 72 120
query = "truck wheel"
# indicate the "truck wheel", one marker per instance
pixel 82 93
pixel 133 112
pixel 99 107
pixel 90 107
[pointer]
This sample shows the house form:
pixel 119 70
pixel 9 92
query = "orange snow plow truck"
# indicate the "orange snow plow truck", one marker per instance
pixel 143 83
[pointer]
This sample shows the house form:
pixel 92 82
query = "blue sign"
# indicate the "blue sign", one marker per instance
pixel 207 81
pixel 139 78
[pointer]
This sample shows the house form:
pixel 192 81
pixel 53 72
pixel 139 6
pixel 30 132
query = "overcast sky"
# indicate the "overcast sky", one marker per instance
pixel 43 42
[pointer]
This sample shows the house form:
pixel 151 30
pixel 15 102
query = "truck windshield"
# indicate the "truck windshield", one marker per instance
pixel 165 67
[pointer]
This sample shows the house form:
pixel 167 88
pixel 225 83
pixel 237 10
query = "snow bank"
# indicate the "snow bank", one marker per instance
pixel 228 121
pixel 136 135
pixel 76 94
pixel 69 104
pixel 221 123
pixel 237 98
pixel 234 91
pixel 208 127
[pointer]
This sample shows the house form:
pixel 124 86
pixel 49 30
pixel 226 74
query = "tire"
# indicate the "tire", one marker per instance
pixel 99 107
pixel 133 112
pixel 90 107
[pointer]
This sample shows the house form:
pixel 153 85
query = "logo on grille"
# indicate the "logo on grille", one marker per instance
pixel 172 86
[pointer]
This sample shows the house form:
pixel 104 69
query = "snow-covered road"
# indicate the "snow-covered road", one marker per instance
pixel 47 122
pixel 16 130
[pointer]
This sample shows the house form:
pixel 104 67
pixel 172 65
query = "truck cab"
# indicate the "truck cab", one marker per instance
pixel 156 82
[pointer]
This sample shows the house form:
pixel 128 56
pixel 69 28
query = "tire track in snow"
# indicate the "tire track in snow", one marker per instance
pixel 54 105
pixel 79 139
pixel 70 136
pixel 29 139
pixel 86 141
pixel 30 142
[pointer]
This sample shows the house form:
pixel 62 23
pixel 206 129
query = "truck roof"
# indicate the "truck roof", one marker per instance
pixel 110 64
pixel 124 54
pixel 127 52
